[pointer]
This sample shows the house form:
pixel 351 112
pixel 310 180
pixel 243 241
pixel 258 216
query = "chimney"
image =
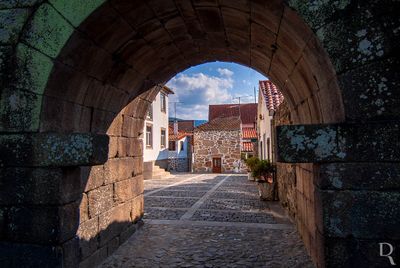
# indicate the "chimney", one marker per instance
pixel 175 127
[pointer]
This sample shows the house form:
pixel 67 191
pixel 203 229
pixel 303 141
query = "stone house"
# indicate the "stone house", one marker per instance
pixel 269 99
pixel 217 146
pixel 155 136
pixel 247 112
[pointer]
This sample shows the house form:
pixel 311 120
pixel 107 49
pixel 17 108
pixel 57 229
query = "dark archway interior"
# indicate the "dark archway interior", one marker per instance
pixel 108 72
pixel 126 47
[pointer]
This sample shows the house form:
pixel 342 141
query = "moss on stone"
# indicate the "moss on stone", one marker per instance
pixel 48 31
pixel 11 23
pixel 319 12
pixel 18 3
pixel 76 10
pixel 19 110
pixel 33 69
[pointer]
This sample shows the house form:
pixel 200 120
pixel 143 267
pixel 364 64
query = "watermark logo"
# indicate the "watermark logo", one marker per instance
pixel 386 250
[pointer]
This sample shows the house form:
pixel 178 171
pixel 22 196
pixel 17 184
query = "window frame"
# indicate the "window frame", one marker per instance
pixel 163 140
pixel 163 102
pixel 181 145
pixel 149 137
pixel 150 114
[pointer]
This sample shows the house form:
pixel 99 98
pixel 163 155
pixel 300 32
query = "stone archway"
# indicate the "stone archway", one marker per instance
pixel 77 75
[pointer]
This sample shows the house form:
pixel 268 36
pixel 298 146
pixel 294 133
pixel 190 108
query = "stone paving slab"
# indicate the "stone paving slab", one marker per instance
pixel 232 204
pixel 169 202
pixel 186 193
pixel 210 221
pixel 181 246
pixel 163 213
pixel 194 188
pixel 236 195
pixel 232 216
pixel 240 188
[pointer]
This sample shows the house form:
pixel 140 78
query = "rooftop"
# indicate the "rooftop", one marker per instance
pixel 248 111
pixel 273 97
pixel 249 133
pixel 221 123
pixel 247 147
pixel 180 135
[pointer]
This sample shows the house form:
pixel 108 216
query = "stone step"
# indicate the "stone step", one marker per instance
pixel 163 176
pixel 157 174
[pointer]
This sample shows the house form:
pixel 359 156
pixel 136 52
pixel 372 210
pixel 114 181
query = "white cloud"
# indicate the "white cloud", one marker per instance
pixel 195 92
pixel 246 82
pixel 225 72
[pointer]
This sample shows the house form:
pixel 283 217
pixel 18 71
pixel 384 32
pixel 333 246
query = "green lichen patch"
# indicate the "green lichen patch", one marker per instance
pixel 48 31
pixel 11 23
pixel 339 143
pixel 5 65
pixel 372 90
pixel 33 69
pixel 52 149
pixel 24 77
pixel 18 3
pixel 19 110
pixel 318 12
pixel 76 10
pixel 361 214
pixel 353 176
pixel 312 143
pixel 354 40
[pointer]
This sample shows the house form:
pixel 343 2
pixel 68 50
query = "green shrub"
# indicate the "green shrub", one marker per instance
pixel 263 169
pixel 251 162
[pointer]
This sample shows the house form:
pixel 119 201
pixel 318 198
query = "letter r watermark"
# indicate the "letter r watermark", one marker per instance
pixel 384 253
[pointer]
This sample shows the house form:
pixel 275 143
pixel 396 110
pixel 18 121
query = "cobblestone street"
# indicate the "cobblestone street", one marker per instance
pixel 210 220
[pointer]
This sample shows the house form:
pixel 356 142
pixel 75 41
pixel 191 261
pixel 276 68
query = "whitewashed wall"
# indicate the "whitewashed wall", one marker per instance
pixel 160 120
pixel 263 127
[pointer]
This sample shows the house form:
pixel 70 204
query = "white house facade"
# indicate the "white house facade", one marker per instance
pixel 155 134
pixel 269 98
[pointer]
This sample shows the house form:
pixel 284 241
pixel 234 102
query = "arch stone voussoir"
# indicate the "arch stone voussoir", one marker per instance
pixel 78 76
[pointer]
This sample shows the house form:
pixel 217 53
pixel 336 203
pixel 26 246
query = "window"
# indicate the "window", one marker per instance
pixel 171 146
pixel 182 146
pixel 163 138
pixel 149 136
pixel 163 99
pixel 150 112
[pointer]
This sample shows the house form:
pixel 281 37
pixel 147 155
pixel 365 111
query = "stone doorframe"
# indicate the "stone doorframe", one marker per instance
pixel 78 75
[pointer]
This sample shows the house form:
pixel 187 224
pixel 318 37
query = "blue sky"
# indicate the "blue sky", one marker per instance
pixel 211 83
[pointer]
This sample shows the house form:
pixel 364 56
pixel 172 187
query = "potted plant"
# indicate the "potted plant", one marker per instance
pixel 251 162
pixel 264 172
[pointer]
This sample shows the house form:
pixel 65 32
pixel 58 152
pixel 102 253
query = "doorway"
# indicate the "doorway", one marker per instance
pixel 216 167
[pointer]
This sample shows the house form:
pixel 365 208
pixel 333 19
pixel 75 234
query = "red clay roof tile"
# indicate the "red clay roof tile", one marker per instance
pixel 249 133
pixel 247 147
pixel 221 123
pixel 273 97
pixel 248 111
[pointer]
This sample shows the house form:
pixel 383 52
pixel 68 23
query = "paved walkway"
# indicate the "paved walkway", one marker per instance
pixel 210 221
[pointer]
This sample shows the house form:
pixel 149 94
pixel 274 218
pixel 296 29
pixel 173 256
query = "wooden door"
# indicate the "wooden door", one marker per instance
pixel 216 168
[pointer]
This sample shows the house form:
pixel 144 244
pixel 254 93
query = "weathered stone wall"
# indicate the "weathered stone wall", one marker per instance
pixel 286 173
pixel 209 144
pixel 296 193
pixel 91 208
pixel 112 199
pixel 179 164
